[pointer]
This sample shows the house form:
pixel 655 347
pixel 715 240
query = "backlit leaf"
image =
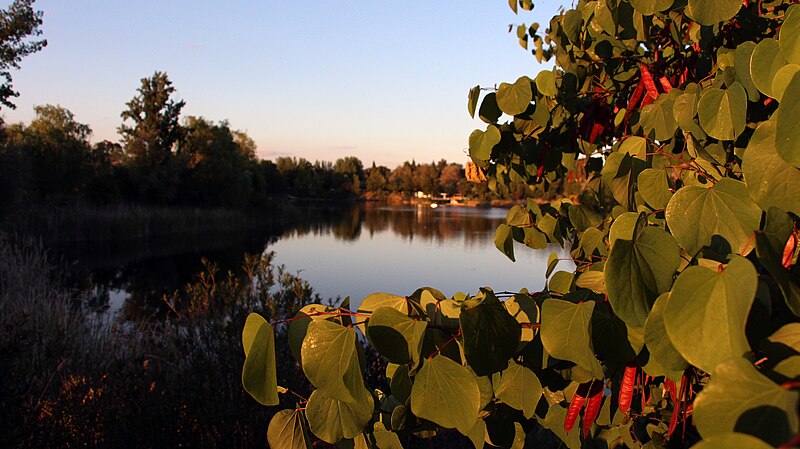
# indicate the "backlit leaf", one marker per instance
pixel 789 39
pixel 513 99
pixel 519 388
pixel 654 187
pixel 787 131
pixel 259 376
pixel 707 311
pixel 723 113
pixel 396 336
pixel 765 62
pixel 710 12
pixel 447 394
pixel 664 358
pixel 731 439
pixel 472 100
pixel 546 83
pixel 504 241
pixel 288 430
pixel 482 142
pixel 331 420
pixel 695 215
pixel 771 181
pixel 737 398
pixel 566 330
pixel 330 361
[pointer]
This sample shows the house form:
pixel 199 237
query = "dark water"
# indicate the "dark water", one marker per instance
pixel 339 251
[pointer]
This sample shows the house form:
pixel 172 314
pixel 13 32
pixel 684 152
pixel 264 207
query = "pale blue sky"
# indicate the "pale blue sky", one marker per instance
pixel 384 81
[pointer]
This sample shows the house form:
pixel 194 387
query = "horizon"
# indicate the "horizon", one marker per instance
pixel 383 84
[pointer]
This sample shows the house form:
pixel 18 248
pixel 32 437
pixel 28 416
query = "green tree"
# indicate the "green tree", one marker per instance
pixel 219 169
pixel 155 129
pixel 19 22
pixel 675 322
pixel 58 148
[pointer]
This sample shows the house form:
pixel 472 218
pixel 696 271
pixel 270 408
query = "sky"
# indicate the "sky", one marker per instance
pixel 384 81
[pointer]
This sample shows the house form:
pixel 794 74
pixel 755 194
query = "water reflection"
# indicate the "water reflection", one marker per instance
pixel 339 251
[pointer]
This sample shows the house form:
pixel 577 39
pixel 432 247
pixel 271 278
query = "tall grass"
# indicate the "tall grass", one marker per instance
pixel 76 222
pixel 69 381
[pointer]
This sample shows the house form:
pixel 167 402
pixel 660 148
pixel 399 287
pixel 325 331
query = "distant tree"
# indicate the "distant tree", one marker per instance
pixel 402 178
pixel 449 178
pixel 18 23
pixel 218 167
pixel 349 166
pixel 59 149
pixel 426 178
pixel 247 146
pixel 377 179
pixel 155 130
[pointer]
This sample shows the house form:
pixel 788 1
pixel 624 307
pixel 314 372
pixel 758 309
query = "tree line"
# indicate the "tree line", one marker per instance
pixel 163 158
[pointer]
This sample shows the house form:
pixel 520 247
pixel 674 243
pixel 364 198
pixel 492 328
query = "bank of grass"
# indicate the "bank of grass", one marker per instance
pixel 71 381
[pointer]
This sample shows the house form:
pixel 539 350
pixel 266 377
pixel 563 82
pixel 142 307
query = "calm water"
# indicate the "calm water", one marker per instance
pixel 340 252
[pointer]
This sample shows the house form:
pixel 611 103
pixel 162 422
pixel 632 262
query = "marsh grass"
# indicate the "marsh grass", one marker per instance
pixel 71 381
pixel 80 222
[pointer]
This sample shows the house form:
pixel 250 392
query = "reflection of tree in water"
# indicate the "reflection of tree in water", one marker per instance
pixel 446 223
pixel 144 272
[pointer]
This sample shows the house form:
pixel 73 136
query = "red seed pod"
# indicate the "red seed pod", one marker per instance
pixel 672 389
pixel 626 389
pixel 576 405
pixel 649 84
pixel 788 251
pixel 592 406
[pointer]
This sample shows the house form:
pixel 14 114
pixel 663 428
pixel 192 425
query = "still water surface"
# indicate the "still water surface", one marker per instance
pixel 340 252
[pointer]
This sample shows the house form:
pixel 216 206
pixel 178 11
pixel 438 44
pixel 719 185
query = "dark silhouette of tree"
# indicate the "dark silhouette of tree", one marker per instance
pixel 18 23
pixel 155 116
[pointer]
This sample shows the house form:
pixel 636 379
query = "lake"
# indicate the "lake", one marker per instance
pixel 345 251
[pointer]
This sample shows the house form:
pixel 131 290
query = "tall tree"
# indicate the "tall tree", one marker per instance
pixel 155 115
pixel 18 23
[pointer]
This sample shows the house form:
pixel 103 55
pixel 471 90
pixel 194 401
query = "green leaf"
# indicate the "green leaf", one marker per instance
pixel 377 300
pixel 711 12
pixel 789 39
pixel 519 388
pixel 658 119
pixel 554 421
pixel 288 430
pixel 787 132
pixel 782 79
pixel 731 439
pixel 566 330
pixel 546 83
pixel 447 394
pixel 333 420
pixel 330 361
pixel 514 99
pixel 695 215
pixel 252 325
pixel 654 187
pixel 650 7
pixel 765 62
pixel 472 100
pixel 478 434
pixel 504 241
pixel 481 143
pixel 489 111
pixel 623 227
pixel 385 439
pixel 789 335
pixel 396 336
pixel 737 398
pixel 639 270
pixel 401 384
pixel 583 217
pixel 664 358
pixel 635 146
pixel 299 327
pixel 707 312
pixel 259 376
pixel 525 310
pixel 723 113
pixel 491 337
pixel 561 282
pixel 518 216
pixel 741 59
pixel 604 18
pixel 513 5
pixel 552 262
pixel 771 181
